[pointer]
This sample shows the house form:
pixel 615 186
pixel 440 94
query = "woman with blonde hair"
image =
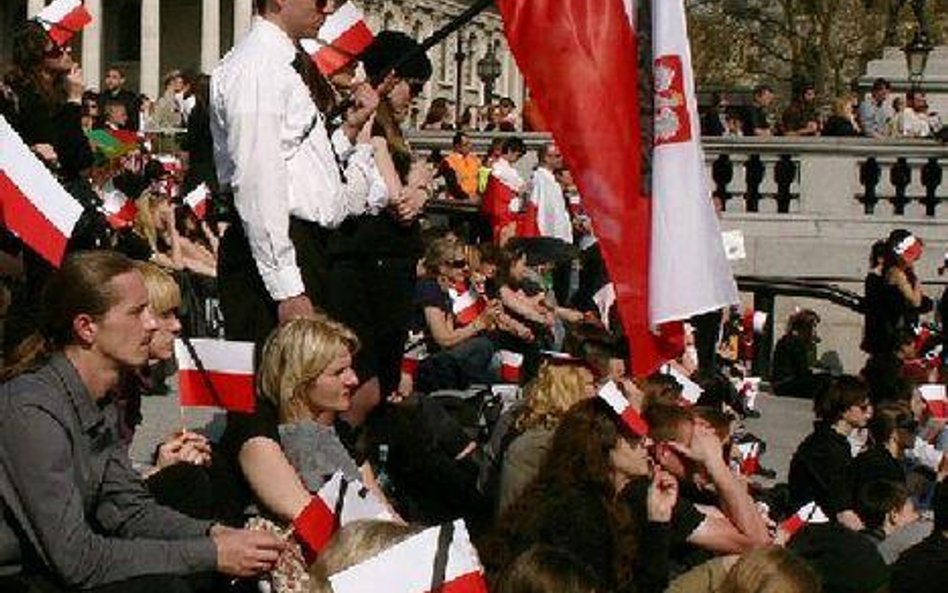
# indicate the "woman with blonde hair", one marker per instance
pixel 771 570
pixel 281 454
pixel 555 390
pixel 354 543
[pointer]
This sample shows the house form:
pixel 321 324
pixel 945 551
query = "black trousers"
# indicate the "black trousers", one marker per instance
pixel 250 314
pixel 374 296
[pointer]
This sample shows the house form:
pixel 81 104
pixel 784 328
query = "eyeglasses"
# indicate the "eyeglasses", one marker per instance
pixel 56 51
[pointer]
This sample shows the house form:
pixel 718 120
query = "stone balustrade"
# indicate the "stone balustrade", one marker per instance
pixel 811 208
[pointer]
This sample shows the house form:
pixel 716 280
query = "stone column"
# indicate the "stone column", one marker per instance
pixel 33 7
pixel 150 57
pixel 92 45
pixel 243 11
pixel 210 34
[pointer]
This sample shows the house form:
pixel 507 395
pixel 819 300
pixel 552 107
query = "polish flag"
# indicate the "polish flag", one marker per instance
pixel 501 202
pixel 810 513
pixel 228 367
pixel 341 39
pixel 644 241
pixel 407 567
pixel 510 364
pixel 466 304
pixel 936 399
pixel 619 403
pixel 119 210
pixel 690 391
pixel 338 502
pixel 750 457
pixel 33 205
pixel 64 18
pixel 197 200
pixel 415 351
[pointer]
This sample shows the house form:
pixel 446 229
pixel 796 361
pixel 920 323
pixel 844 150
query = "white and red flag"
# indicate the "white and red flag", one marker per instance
pixel 408 567
pixel 338 502
pixel 218 374
pixel 612 395
pixel 510 365
pixel 750 457
pixel 594 82
pixel 466 303
pixel 64 18
pixel 197 199
pixel 119 210
pixel 33 205
pixel 808 514
pixel 341 39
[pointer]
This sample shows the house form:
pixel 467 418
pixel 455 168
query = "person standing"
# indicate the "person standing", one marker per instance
pixel 552 215
pixel 76 515
pixel 273 151
pixel 115 90
pixel 756 118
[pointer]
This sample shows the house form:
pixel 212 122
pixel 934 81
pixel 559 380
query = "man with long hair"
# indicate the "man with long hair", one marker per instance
pixel 75 514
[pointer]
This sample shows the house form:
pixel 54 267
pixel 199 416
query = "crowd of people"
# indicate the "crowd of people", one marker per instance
pixel 408 374
pixel 879 114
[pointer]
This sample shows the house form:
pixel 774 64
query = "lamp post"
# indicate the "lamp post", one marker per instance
pixel 458 78
pixel 489 70
pixel 917 50
pixel 916 57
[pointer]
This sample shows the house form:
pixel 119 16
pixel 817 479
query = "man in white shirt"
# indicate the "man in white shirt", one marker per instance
pixel 553 218
pixel 914 120
pixel 273 151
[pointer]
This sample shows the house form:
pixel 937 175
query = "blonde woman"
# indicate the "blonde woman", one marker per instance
pixel 555 390
pixel 279 455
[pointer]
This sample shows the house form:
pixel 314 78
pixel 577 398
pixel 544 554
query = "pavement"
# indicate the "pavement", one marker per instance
pixel 782 424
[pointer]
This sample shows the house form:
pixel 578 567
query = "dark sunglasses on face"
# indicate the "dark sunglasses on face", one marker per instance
pixel 55 51
pixel 415 86
pixel 459 263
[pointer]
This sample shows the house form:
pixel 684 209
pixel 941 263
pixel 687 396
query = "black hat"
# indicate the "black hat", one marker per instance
pixel 395 50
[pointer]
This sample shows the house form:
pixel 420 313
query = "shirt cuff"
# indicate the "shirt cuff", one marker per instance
pixel 200 554
pixel 283 283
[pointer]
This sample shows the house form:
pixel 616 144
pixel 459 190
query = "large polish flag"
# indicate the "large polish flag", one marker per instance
pixel 227 380
pixel 589 96
pixel 64 18
pixel 408 566
pixel 341 39
pixel 688 272
pixel 33 205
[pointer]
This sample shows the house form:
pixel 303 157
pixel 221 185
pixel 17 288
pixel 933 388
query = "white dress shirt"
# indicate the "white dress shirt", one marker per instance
pixel 552 217
pixel 272 148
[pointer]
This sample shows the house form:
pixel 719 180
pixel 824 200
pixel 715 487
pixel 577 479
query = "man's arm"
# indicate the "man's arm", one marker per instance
pixel 254 119
pixel 736 503
pixel 36 454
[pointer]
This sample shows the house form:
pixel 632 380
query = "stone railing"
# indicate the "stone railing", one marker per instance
pixel 810 209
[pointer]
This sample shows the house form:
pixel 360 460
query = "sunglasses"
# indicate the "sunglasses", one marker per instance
pixel 459 263
pixel 56 51
pixel 415 85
